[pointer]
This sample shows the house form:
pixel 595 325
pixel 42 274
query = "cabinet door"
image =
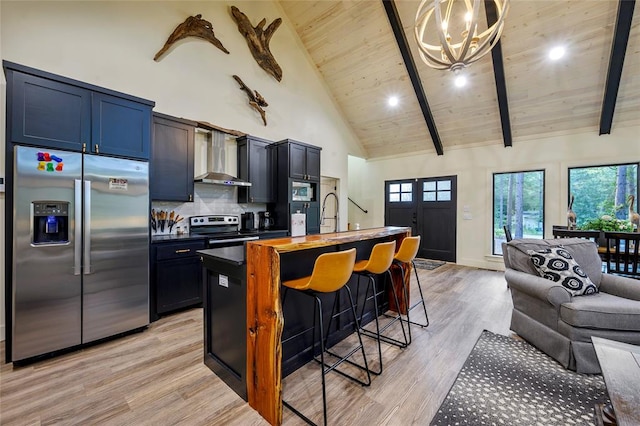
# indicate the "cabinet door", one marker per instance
pixel 255 166
pixel 120 127
pixel 47 113
pixel 313 218
pixel 179 283
pixel 313 163
pixel 297 161
pixel 171 160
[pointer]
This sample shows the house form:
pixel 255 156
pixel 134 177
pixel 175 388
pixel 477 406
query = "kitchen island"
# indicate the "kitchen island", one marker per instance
pixel 267 264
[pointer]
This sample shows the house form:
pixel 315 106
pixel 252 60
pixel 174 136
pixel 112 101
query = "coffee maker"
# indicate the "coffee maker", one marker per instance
pixel 265 220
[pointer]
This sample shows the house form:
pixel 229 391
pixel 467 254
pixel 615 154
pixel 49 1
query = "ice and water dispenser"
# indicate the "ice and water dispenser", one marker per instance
pixel 50 222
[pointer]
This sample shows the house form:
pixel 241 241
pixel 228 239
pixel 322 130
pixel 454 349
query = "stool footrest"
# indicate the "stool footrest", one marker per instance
pixel 344 358
pixel 386 339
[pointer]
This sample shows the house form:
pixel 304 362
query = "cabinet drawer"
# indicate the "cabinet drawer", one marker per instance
pixel 178 250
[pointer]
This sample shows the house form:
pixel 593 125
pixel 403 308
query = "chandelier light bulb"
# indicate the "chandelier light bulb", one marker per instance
pixel 460 80
pixel 451 33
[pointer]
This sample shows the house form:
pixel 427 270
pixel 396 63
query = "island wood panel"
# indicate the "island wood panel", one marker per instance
pixel 265 321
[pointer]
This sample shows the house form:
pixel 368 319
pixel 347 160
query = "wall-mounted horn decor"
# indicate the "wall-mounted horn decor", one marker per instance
pixel 258 41
pixel 193 26
pixel 255 99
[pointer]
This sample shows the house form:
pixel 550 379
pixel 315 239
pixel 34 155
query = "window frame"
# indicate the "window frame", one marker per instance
pixel 493 198
pixel 632 163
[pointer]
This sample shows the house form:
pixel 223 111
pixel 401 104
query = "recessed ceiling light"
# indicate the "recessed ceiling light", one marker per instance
pixel 556 53
pixel 393 101
pixel 460 81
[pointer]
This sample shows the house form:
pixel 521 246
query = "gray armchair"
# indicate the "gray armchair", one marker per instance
pixel 559 324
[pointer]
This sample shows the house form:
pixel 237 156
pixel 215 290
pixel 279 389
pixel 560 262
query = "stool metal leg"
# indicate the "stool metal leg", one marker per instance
pixel 318 324
pixel 377 334
pixel 421 301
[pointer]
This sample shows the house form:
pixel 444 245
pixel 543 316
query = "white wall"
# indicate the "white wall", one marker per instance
pixel 112 44
pixel 474 168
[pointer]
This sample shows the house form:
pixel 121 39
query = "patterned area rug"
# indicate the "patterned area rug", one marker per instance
pixel 509 382
pixel 427 264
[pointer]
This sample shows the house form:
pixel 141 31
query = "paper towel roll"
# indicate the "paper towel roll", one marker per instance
pixel 298 224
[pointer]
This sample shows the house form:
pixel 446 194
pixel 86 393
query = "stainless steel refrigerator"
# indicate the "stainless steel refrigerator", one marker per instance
pixel 80 249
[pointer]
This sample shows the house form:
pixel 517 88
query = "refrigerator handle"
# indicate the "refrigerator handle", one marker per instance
pixel 87 227
pixel 77 242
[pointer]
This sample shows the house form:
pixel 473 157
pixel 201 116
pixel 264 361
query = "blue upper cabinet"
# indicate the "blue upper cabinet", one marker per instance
pixel 47 113
pixel 51 111
pixel 120 127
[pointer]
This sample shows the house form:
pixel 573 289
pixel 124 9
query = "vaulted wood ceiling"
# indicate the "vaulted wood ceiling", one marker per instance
pixel 354 48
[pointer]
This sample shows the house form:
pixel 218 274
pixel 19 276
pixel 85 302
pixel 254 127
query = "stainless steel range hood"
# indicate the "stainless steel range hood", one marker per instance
pixel 217 160
pixel 218 178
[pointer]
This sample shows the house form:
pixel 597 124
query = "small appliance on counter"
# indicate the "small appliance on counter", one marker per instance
pixel 298 224
pixel 248 221
pixel 265 220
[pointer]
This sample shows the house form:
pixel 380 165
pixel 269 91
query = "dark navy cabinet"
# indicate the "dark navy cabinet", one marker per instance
pixel 172 157
pixel 304 161
pixel 298 166
pixel 255 165
pixel 47 113
pixel 312 210
pixel 120 127
pixel 176 276
pixel 48 110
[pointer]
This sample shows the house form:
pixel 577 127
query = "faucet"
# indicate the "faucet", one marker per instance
pixel 324 202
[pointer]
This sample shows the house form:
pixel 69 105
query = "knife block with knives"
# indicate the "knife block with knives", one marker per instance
pixel 164 222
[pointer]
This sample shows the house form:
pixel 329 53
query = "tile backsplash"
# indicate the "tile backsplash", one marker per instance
pixel 208 199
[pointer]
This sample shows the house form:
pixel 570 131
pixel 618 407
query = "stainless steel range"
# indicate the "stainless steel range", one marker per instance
pixel 221 230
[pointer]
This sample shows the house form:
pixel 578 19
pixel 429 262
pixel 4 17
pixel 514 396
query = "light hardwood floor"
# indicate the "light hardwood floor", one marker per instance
pixel 157 377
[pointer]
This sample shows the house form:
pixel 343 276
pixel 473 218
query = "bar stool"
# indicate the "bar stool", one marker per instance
pixel 404 259
pixel 379 263
pixel 331 272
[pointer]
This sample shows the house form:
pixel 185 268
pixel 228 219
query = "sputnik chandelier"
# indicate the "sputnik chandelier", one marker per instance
pixel 437 20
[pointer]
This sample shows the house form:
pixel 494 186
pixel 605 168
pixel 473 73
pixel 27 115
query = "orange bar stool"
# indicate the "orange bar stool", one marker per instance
pixel 379 263
pixel 331 272
pixel 404 260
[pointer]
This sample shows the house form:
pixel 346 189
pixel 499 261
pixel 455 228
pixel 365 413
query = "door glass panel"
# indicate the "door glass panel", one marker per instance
pixel 400 192
pixel 429 186
pixel 444 185
pixel 444 195
pixel 428 196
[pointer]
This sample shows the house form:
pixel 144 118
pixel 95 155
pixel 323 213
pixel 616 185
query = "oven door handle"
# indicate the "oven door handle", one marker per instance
pixel 233 240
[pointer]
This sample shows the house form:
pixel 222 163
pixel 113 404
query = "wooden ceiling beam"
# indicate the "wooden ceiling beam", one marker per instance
pixel 401 39
pixel 616 62
pixel 498 73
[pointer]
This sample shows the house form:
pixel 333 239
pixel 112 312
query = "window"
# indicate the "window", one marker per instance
pixel 603 190
pixel 400 192
pixel 518 204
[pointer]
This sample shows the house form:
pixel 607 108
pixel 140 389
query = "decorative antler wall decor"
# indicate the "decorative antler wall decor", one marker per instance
pixel 258 41
pixel 255 99
pixel 193 26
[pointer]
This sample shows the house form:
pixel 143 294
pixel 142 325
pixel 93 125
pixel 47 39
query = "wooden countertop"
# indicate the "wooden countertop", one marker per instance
pixel 264 312
pixel 289 244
